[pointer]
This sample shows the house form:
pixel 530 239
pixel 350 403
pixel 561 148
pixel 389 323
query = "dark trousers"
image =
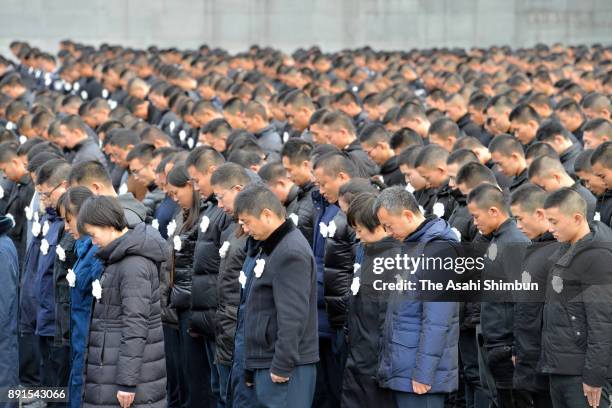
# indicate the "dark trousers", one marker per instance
pixel 475 395
pixel 177 389
pixel 410 400
pixel 541 399
pixel 209 345
pixel 196 369
pixel 224 376
pixel 566 392
pixel 29 360
pixel 54 365
pixel 329 375
pixel 298 392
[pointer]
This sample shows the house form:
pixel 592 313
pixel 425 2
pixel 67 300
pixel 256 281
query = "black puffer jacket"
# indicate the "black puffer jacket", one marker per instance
pixel 232 254
pixel 65 259
pixel 299 202
pixel 126 342
pixel 205 269
pixel 577 332
pixel 528 311
pixel 20 197
pixel 181 277
pixel 340 250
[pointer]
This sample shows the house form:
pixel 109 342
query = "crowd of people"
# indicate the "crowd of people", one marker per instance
pixel 194 228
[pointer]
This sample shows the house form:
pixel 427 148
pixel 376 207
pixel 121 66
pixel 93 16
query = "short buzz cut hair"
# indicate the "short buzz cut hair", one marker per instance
pixel 603 155
pixel 529 197
pixel 334 164
pixel 142 151
pixel 567 200
pixel 53 172
pixel 297 150
pixel 431 155
pixel 543 166
pixel 89 172
pixel 229 175
pixel 203 157
pixel 255 198
pixel 445 128
pixel 373 133
pixel 361 212
pixel 474 174
pixel 506 145
pixel 396 199
pixel 487 195
pixel 272 172
pixel 462 157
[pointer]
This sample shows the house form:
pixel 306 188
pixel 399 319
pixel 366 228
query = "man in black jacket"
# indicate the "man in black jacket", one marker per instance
pixel 375 141
pixel 280 315
pixel 75 140
pixel 342 134
pixel 562 141
pixel 15 170
pixel 578 310
pixel 507 153
pixel 601 162
pixel 298 206
pixel 491 214
pixel 527 204
pixel 550 174
pixel 431 165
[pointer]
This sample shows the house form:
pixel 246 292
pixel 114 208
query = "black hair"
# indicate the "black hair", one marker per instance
pixel 53 172
pixel 603 155
pixel 335 163
pixel 356 186
pixel 101 211
pixel 254 199
pixel 361 211
pixel 487 195
pixel 475 173
pixel 88 172
pixel 567 200
pixel 404 138
pixel 529 197
pixel 297 150
pixel 72 200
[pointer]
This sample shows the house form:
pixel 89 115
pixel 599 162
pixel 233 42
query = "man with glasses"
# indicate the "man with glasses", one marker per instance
pixel 142 165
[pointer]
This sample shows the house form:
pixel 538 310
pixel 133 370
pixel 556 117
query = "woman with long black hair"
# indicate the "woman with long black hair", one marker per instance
pixel 194 374
pixel 125 354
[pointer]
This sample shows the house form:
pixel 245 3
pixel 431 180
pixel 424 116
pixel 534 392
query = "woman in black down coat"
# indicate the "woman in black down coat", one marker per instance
pixel 125 360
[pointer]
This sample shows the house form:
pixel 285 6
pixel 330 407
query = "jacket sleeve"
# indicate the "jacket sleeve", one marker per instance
pixel 597 294
pixel 135 290
pixel 291 297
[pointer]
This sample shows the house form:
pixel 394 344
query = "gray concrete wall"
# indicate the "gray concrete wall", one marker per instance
pixel 288 24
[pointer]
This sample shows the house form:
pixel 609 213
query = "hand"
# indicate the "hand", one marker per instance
pixel 514 361
pixel 278 379
pixel 419 388
pixel 593 394
pixel 125 398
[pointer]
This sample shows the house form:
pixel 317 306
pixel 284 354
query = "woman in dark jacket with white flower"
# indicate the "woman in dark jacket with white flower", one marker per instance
pixel 125 356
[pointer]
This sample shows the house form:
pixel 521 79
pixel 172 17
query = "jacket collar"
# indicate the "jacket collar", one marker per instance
pixel 6 224
pixel 277 236
pixel 505 226
pixel 292 195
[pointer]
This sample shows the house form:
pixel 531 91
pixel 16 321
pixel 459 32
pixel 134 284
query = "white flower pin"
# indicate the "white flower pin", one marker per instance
pixel 29 212
pixel 438 209
pixel 557 283
pixel 182 135
pixel 355 285
pixel 84 94
pixel 177 243
pixel 71 278
pixel 172 126
pixel 327 231
pixel 9 215
pixel 112 104
pixel 409 188
pixel 597 216
pixel 171 227
pixel 242 279
pixel 123 188
pixel 45 228
pixel 421 209
pixel 10 125
pixel 457 233
pixel 204 223
pixel 294 217
pixel 76 86
pixel 190 143
pixel 259 267
pixel 61 253
pixel 492 252
pixel 105 93
pixel 67 86
pixel 22 139
pixel 285 137
pixel 44 247
pixel 356 267
pixel 36 228
pixel 526 277
pixel 223 249
pixel 96 289
pixel 155 224
pixel 1 192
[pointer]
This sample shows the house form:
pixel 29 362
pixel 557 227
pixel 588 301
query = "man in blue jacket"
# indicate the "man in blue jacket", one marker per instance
pixel 9 272
pixel 51 182
pixel 419 355
pixel 280 304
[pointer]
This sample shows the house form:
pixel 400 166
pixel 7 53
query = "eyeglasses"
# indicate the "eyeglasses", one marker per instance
pixel 137 171
pixel 47 194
